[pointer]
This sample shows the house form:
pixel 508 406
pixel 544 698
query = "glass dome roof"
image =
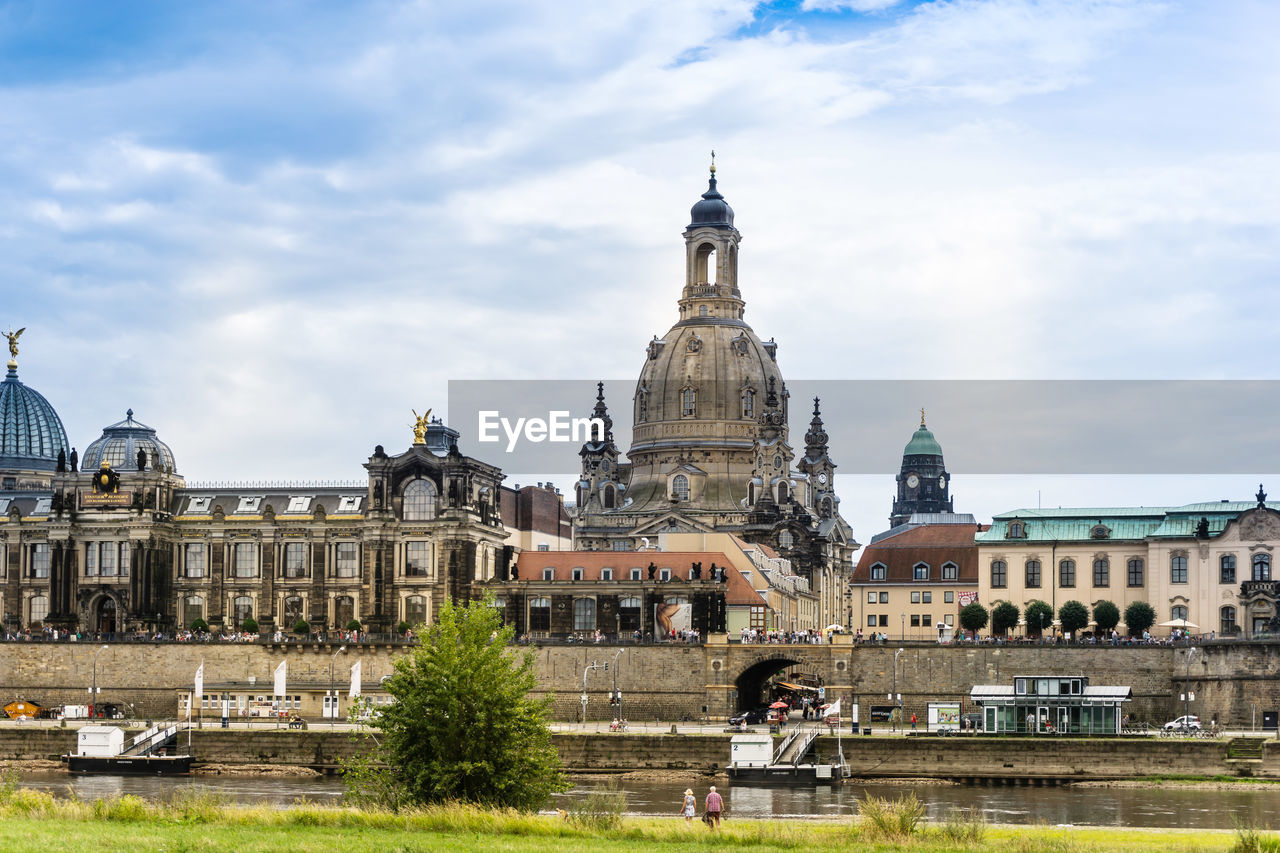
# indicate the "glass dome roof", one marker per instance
pixel 31 433
pixel 119 446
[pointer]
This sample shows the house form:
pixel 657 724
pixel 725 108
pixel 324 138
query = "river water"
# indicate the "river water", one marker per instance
pixel 1175 806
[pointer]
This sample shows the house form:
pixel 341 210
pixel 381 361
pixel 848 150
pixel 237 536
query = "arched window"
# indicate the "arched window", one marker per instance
pixel 785 539
pixel 680 487
pixel 1033 574
pixel 705 264
pixel 828 508
pixel 629 613
pixel 539 614
pixel 610 496
pixel 1135 571
pixel 749 403
pixel 642 406
pixel 420 501
pixel 688 403
pixel 702 310
pixel 999 574
pixel 344 610
pixel 192 609
pixel 1262 567
pixel 292 611
pixel 784 493
pixel 1067 573
pixel 1017 530
pixel 39 609
pixel 1102 572
pixel 415 609
pixel 584 614
pixel 241 609
pixel 1227 568
pixel 1227 621
pixel 1178 611
pixel 1178 568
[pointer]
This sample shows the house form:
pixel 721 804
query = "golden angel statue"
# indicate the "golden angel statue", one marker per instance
pixel 420 428
pixel 13 341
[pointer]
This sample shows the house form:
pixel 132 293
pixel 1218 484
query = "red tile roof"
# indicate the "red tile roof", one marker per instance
pixel 562 563
pixel 933 544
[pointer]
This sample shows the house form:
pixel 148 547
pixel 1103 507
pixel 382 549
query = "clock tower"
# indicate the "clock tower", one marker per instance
pixel 923 483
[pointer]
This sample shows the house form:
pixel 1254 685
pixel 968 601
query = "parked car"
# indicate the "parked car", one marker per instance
pixel 971 722
pixel 1190 722
pixel 752 717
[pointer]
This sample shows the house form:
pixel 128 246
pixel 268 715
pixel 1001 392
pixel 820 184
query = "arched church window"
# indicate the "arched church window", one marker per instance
pixel 688 403
pixel 680 487
pixel 703 310
pixel 705 264
pixel 420 501
pixel 610 497
pixel 749 403
pixel 784 493
pixel 642 407
pixel 786 540
pixel 39 608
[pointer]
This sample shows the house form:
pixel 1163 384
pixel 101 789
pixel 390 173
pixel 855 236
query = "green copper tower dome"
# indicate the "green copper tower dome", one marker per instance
pixel 31 433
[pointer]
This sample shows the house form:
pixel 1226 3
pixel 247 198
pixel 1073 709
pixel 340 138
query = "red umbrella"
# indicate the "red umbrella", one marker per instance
pixel 779 705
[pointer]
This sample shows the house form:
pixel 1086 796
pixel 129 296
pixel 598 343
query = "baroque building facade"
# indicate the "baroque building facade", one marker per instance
pixel 117 540
pixel 711 445
pixel 1205 567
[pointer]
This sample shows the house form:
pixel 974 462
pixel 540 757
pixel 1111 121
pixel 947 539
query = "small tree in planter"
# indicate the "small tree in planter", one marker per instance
pixel 404 627
pixel 1004 616
pixel 199 626
pixel 1039 617
pixel 974 617
pixel 301 627
pixel 1074 616
pixel 353 625
pixel 1106 615
pixel 1138 617
pixel 249 625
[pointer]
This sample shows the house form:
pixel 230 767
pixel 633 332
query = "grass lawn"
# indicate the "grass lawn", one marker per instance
pixel 129 824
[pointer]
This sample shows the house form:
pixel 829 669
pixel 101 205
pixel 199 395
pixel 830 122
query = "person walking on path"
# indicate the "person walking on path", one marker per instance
pixel 913 722
pixel 690 806
pixel 715 805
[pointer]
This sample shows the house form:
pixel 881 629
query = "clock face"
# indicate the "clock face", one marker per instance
pixel 822 478
pixel 942 481
pixel 912 481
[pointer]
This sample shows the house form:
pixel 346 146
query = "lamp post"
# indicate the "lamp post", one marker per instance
pixel 897 697
pixel 93 691
pixel 1186 689
pixel 333 701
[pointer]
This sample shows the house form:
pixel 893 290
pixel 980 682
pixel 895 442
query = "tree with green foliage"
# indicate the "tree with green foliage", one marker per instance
pixel 1039 617
pixel 1138 617
pixel 199 626
pixel 301 627
pixel 403 627
pixel 1074 616
pixel 353 625
pixel 249 625
pixel 974 617
pixel 1106 615
pixel 1004 616
pixel 463 726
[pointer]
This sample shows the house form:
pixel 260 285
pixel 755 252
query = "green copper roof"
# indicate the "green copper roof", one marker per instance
pixel 1076 524
pixel 922 444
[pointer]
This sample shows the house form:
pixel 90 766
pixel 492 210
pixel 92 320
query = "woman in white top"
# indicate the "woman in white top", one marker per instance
pixel 690 806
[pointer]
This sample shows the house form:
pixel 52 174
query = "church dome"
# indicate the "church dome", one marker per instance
pixel 119 445
pixel 922 444
pixel 713 211
pixel 31 433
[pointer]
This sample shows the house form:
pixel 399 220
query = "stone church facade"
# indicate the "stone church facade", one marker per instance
pixel 711 441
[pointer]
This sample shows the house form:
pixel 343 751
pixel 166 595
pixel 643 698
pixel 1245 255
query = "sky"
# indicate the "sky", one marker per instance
pixel 272 230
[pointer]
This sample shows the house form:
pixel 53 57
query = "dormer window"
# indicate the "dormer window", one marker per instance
pixel 1100 531
pixel 606 574
pixel 878 572
pixel 920 571
pixel 577 574
pixel 199 506
pixel 299 503
pixel 349 503
pixel 1017 530
pixel 548 574
pixel 249 504
pixel 680 487
pixel 664 574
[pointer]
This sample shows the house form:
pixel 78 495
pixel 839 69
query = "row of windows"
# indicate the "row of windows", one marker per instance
pixel 918 596
pixel 920 571
pixel 584 614
pixel 1134 574
pixel 918 620
pixel 244 560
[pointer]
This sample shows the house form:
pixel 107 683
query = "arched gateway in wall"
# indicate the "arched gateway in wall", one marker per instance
pixel 738 674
